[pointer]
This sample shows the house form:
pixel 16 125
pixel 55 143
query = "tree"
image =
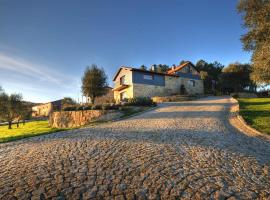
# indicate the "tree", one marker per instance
pixel 25 112
pixel 210 73
pixel 94 82
pixel 161 68
pixel 256 17
pixel 236 78
pixel 67 102
pixel 143 67
pixel 10 106
pixel 182 62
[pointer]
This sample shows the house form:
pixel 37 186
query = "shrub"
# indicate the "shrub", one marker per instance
pixel 72 108
pixel 141 101
pixel 88 108
pixel 106 107
pixel 96 107
pixel 80 108
pixel 235 96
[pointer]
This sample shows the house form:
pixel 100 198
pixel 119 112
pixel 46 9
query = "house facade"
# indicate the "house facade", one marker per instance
pixel 131 82
pixel 44 110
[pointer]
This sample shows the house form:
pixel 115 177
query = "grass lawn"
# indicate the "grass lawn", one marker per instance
pixel 27 130
pixel 256 112
pixel 131 110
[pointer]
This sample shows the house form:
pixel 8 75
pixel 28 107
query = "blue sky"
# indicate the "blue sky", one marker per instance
pixel 46 45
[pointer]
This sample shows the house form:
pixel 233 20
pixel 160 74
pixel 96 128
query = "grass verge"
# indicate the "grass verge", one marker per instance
pixel 132 110
pixel 256 112
pixel 30 129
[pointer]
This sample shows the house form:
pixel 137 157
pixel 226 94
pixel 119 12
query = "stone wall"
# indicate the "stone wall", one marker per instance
pixel 71 119
pixel 197 89
pixel 144 90
pixel 172 85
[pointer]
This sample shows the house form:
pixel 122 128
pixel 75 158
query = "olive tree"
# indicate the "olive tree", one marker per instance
pixel 10 106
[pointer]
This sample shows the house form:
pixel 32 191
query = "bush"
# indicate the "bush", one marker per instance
pixel 235 96
pixel 96 107
pixel 88 108
pixel 106 106
pixel 80 108
pixel 141 101
pixel 72 108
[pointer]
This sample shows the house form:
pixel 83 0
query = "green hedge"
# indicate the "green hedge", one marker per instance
pixel 141 101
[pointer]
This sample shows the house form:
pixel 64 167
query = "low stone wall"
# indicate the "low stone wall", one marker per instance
pixel 71 119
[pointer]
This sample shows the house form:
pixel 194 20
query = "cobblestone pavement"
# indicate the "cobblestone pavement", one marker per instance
pixel 182 150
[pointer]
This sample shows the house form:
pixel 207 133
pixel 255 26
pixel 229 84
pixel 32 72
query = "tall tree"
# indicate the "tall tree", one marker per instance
pixel 210 73
pixel 25 112
pixel 256 16
pixel 67 102
pixel 94 82
pixel 161 68
pixel 10 106
pixel 143 67
pixel 236 78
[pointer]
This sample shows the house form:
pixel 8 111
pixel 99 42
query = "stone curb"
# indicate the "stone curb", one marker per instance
pixel 244 123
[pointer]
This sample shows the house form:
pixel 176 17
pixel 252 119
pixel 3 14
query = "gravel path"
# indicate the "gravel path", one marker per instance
pixel 182 150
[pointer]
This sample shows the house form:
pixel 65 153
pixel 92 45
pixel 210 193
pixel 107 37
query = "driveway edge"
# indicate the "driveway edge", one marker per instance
pixel 134 115
pixel 238 122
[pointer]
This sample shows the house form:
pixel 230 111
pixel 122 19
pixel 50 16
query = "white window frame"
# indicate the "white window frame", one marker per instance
pixel 148 77
pixel 192 83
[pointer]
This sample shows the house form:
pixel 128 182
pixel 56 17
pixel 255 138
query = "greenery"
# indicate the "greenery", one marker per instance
pixel 236 78
pixel 141 101
pixel 94 82
pixel 256 112
pixel 131 110
pixel 143 67
pixel 210 73
pixel 255 14
pixel 11 107
pixel 68 102
pixel 28 130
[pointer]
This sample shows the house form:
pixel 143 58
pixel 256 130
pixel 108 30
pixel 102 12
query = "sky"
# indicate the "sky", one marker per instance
pixel 45 46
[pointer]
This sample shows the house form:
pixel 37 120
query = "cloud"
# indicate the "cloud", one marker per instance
pixel 37 82
pixel 37 71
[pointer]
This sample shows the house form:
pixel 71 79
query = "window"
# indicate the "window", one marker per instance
pixel 148 77
pixel 192 83
pixel 122 80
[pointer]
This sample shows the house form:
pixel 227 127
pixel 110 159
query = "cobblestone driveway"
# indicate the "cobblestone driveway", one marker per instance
pixel 179 151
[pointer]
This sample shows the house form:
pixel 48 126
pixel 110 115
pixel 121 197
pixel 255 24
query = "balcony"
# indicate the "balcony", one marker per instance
pixel 120 85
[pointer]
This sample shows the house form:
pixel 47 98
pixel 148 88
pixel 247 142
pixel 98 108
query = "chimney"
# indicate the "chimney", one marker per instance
pixel 153 68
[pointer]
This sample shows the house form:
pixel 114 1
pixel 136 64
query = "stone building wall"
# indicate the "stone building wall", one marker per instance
pixel 42 110
pixel 172 85
pixel 143 90
pixel 197 89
